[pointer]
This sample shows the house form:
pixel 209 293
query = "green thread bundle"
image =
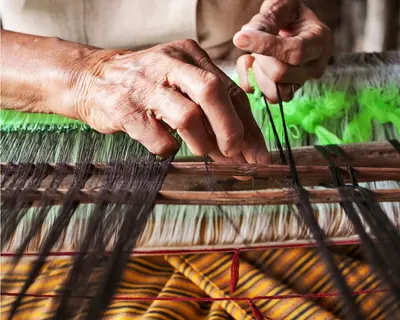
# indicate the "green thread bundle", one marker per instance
pixel 333 116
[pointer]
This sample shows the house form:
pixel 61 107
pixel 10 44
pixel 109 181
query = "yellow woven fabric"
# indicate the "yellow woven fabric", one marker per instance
pixel 262 273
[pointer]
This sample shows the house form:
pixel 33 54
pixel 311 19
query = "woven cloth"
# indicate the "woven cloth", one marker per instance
pixel 275 272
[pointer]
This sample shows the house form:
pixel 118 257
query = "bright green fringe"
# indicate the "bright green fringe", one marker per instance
pixel 320 115
pixel 12 121
pixel 315 116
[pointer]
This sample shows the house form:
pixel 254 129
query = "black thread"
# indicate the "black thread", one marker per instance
pixel 396 144
pixel 383 264
pixel 307 213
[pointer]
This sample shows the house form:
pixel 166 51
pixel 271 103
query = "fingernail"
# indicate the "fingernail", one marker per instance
pixel 242 41
pixel 263 156
pixel 243 178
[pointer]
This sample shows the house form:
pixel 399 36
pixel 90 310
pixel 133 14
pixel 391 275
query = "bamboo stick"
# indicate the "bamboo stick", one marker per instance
pixel 278 171
pixel 195 176
pixel 254 197
pixel 371 154
pixel 254 170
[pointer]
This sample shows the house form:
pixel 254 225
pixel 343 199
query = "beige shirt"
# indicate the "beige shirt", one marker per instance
pixel 133 24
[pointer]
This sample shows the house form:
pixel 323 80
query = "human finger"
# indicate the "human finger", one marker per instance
pixel 292 50
pixel 281 72
pixel 252 146
pixel 238 159
pixel 186 118
pixel 208 91
pixel 268 86
pixel 244 63
pixel 151 133
pixel 254 149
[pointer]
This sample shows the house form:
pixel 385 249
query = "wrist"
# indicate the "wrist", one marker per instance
pixel 37 73
pixel 69 77
pixel 87 81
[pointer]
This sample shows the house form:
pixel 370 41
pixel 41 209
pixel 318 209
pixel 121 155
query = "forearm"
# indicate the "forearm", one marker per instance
pixel 37 72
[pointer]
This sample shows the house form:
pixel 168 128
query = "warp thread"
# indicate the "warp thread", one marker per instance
pixel 136 182
pixel 307 214
pixel 378 251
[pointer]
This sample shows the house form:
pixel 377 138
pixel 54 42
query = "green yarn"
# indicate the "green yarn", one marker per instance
pixel 318 114
pixel 13 121
pixel 381 105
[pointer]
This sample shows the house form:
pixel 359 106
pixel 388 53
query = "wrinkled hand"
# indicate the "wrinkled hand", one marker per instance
pixel 175 85
pixel 288 45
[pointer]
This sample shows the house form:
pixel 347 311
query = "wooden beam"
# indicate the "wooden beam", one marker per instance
pixel 254 197
pixel 371 154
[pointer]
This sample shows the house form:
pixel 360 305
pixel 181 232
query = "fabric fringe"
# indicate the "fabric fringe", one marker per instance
pixel 191 226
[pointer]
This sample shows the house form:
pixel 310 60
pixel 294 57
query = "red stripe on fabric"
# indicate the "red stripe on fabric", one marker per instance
pixel 277 297
pixel 255 311
pixel 235 265
pixel 190 251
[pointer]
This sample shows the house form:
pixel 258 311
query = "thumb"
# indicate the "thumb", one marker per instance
pixel 289 50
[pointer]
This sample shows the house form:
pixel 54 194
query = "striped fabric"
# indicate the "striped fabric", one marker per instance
pixel 274 272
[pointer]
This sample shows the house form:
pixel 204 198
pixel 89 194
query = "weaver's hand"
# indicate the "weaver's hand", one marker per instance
pixel 174 86
pixel 143 93
pixel 288 45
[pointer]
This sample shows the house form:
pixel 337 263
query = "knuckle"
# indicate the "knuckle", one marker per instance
pixel 163 51
pixel 320 30
pixel 202 59
pixel 188 117
pixel 211 86
pixel 189 43
pixel 234 138
pixel 236 93
pixel 296 55
pixel 190 47
pixel 270 9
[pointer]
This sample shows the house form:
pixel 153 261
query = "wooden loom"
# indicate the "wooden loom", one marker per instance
pixel 188 183
pixel 370 162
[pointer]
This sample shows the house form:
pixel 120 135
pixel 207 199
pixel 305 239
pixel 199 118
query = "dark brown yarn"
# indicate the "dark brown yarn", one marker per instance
pixel 66 212
pixel 308 218
pixel 134 178
pixel 377 252
pixel 58 176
